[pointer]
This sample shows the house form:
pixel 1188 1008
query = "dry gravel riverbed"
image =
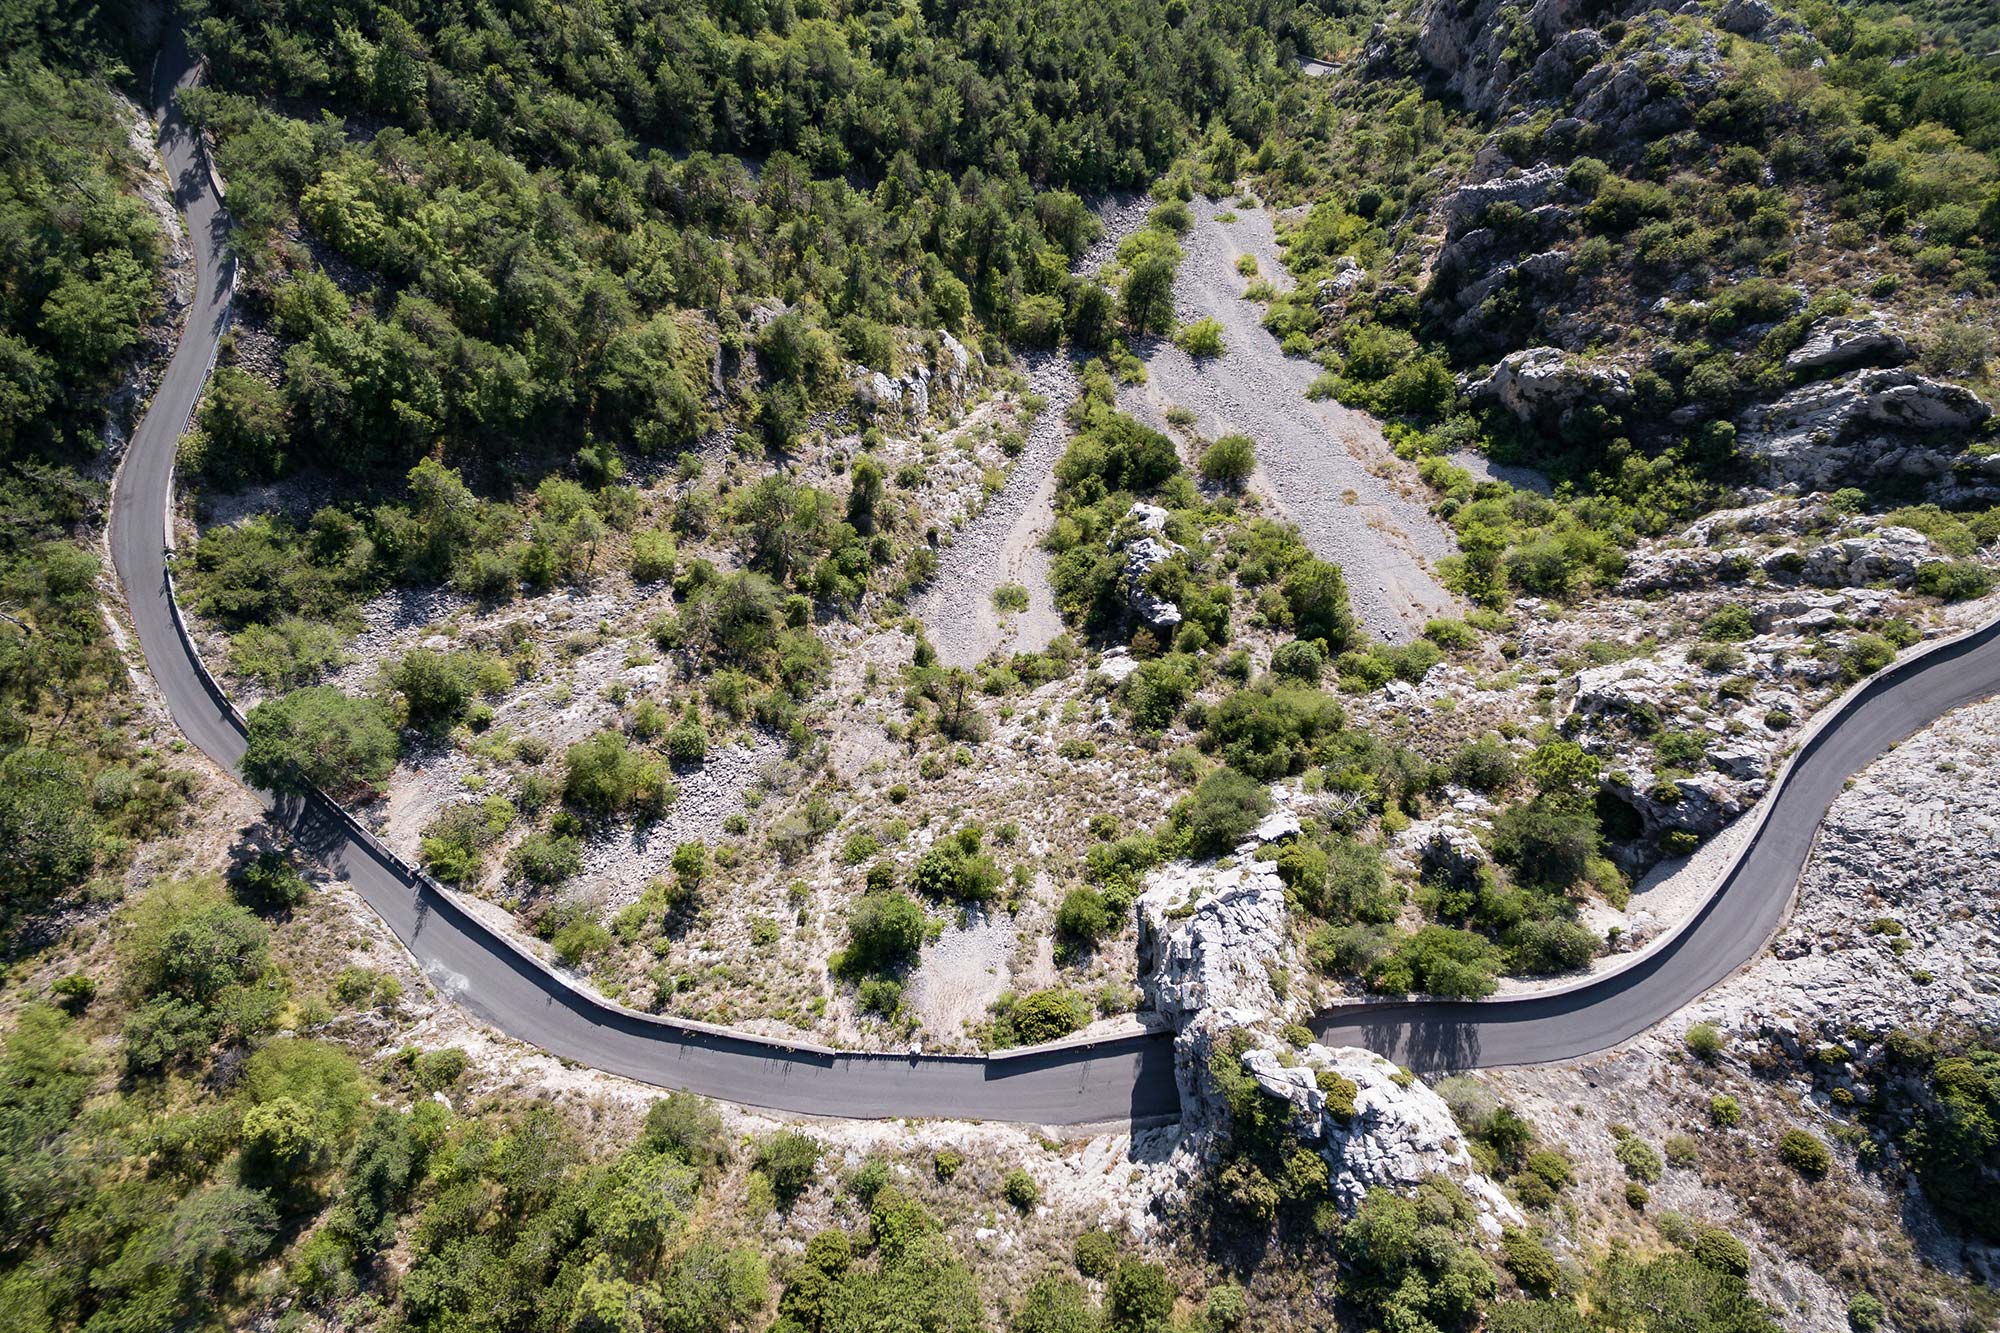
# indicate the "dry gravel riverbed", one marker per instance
pixel 1002 543
pixel 1327 467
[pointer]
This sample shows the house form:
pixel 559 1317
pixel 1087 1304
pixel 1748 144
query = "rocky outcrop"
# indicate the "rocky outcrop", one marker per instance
pixel 1839 344
pixel 909 399
pixel 1527 191
pixel 1377 1128
pixel 1672 569
pixel 1544 383
pixel 1703 804
pixel 1331 295
pixel 1142 553
pixel 1861 429
pixel 1209 942
pixel 1444 851
pixel 1470 48
pixel 1755 19
pixel 1898 887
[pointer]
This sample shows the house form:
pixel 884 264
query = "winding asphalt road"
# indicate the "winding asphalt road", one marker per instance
pixel 1126 1078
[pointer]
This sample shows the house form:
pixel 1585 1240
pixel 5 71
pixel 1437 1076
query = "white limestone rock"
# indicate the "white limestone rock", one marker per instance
pixel 1547 381
pixel 1835 342
pixel 1398 1134
pixel 1870 426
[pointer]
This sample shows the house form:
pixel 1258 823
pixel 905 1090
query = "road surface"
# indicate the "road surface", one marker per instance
pixel 1124 1079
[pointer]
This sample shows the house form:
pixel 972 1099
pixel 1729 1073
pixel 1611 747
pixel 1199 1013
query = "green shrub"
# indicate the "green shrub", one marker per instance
pixel 1298 660
pixel 1201 340
pixel 1096 1254
pixel 1721 1251
pixel 1041 1016
pixel 1229 461
pixel 884 931
pixel 956 867
pixel 1724 1111
pixel 787 1159
pixel 1954 580
pixel 1638 1158
pixel 322 738
pixel 1084 915
pixel 1485 765
pixel 1805 1153
pixel 1440 961
pixel 1020 1189
pixel 1222 811
pixel 1704 1041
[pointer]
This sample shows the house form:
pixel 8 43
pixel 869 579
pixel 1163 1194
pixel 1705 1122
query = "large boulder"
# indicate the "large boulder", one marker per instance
pixel 1841 343
pixel 1444 850
pixel 1142 552
pixel 1543 383
pixel 1377 1129
pixel 1892 555
pixel 1863 428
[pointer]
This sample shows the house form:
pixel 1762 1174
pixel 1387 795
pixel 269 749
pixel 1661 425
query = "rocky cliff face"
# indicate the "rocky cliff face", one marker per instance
pixel 1586 314
pixel 1210 942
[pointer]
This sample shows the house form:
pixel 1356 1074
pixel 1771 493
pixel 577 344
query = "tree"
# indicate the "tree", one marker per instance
pixel 1546 842
pixel 787 1160
pixel 686 1127
pixel 1148 293
pixel 1317 595
pixel 1056 1304
pixel 1140 1298
pixel 1562 769
pixel 639 1205
pixel 1090 315
pixel 319 737
pixel 884 932
pixel 48 830
pixel 243 429
pixel 1441 961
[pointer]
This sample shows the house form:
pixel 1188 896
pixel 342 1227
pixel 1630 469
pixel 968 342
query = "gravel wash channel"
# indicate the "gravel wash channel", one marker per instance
pixel 1327 468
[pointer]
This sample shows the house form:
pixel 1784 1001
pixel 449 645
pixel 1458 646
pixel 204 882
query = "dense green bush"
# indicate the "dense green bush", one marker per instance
pixel 1229 461
pixel 605 776
pixel 1221 811
pixel 1805 1153
pixel 957 867
pixel 1440 961
pixel 884 932
pixel 1271 729
pixel 319 737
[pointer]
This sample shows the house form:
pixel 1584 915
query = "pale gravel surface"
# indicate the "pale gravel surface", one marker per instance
pixel 1327 467
pixel 1002 543
pixel 962 973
